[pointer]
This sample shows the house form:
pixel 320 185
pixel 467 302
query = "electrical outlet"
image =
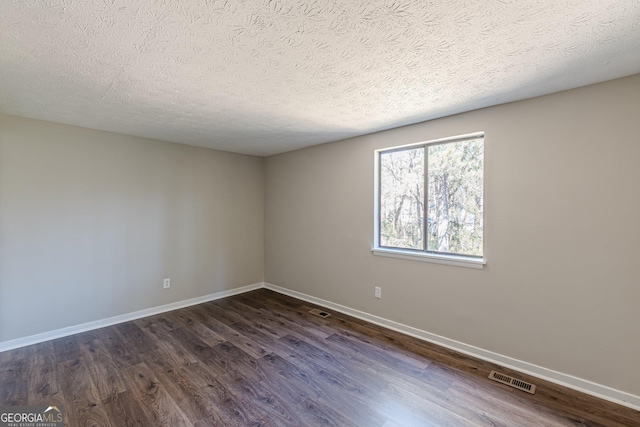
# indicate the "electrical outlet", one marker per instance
pixel 166 283
pixel 378 292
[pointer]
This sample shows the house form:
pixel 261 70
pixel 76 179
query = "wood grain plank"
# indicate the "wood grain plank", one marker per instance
pixel 133 337
pixel 124 409
pixel 229 334
pixel 153 398
pixel 300 385
pixel 124 355
pixel 82 403
pixel 104 372
pixel 42 384
pixel 66 348
pixel 232 409
pixel 13 374
pixel 191 399
pixel 166 341
pixel 335 379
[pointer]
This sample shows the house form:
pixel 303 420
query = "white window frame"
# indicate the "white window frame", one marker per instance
pixel 418 255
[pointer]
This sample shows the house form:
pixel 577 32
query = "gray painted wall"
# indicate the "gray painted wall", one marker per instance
pixel 91 222
pixel 560 288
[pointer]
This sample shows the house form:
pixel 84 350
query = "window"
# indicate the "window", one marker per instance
pixel 430 200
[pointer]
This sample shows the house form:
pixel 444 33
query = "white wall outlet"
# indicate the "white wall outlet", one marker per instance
pixel 378 292
pixel 166 283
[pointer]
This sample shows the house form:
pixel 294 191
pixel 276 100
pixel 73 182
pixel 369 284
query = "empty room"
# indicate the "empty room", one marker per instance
pixel 378 213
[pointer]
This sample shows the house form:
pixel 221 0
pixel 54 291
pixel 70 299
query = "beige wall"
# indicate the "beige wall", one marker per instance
pixel 91 222
pixel 561 287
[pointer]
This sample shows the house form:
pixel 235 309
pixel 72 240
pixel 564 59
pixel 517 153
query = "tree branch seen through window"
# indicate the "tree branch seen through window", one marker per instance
pixel 453 175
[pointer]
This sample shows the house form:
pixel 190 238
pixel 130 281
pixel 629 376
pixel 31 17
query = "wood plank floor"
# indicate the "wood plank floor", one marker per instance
pixel 259 359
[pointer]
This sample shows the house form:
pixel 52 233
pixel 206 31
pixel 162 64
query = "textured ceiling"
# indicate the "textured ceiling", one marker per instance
pixel 264 77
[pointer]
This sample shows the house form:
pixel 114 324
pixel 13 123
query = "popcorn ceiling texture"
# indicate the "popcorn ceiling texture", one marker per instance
pixel 264 77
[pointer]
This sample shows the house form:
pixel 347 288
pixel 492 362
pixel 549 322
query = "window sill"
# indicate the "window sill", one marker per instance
pixel 455 260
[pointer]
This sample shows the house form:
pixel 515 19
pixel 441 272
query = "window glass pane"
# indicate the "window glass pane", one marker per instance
pixel 402 198
pixel 455 201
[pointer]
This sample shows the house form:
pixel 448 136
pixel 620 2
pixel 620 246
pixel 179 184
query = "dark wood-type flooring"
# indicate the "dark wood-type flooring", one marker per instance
pixel 259 359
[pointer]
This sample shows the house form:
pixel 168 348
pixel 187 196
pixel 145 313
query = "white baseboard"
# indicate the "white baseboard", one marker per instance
pixel 566 380
pixel 59 333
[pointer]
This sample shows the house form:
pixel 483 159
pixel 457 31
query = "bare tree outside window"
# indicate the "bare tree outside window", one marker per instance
pixel 454 197
pixel 402 199
pixel 455 201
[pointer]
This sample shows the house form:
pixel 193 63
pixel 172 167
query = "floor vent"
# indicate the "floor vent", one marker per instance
pixel 513 382
pixel 319 313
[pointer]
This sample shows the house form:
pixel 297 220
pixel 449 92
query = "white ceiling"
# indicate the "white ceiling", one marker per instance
pixel 264 77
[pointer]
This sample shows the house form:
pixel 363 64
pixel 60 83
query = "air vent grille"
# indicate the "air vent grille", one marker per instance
pixel 513 382
pixel 319 313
